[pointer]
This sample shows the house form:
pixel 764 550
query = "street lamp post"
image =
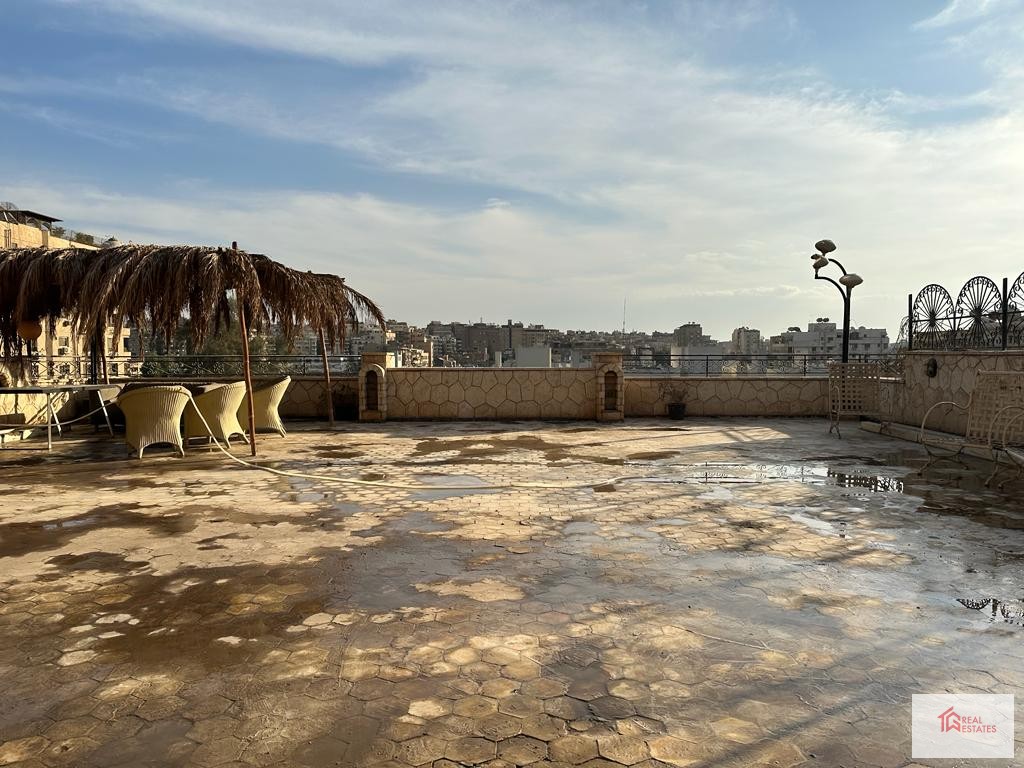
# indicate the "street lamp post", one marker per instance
pixel 844 285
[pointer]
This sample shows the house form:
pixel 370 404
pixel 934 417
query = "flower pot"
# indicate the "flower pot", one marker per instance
pixel 676 410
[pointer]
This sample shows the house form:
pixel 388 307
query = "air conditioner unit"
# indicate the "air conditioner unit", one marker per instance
pixel 63 351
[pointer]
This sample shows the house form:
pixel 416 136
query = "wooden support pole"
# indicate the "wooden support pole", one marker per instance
pixel 327 379
pixel 248 375
pixel 242 322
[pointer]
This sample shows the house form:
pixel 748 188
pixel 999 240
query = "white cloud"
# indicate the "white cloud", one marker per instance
pixel 697 190
pixel 960 11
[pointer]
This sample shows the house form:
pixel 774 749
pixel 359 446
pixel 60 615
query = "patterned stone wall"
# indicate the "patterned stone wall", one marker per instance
pixel 305 398
pixel 728 396
pixel 906 401
pixel 491 393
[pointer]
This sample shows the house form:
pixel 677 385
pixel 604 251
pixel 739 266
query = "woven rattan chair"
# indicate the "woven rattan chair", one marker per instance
pixel 219 406
pixel 153 415
pixel 265 401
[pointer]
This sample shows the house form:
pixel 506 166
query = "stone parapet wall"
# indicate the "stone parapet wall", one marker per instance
pixel 906 401
pixel 728 396
pixel 491 393
pixel 542 393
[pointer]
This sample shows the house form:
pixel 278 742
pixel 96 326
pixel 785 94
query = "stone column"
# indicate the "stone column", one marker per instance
pixel 611 390
pixel 373 387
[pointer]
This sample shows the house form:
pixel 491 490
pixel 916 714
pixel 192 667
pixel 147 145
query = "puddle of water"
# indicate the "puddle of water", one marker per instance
pixel 724 473
pixel 444 483
pixel 420 522
pixel 817 525
pixel 474 449
pixel 651 455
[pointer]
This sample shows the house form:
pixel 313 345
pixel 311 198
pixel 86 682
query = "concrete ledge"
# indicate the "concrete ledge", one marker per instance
pixel 911 435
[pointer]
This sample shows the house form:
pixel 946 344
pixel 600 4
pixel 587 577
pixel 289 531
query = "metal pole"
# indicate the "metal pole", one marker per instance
pixel 846 326
pixel 327 380
pixel 1006 312
pixel 246 366
pixel 910 321
pixel 247 369
pixel 94 362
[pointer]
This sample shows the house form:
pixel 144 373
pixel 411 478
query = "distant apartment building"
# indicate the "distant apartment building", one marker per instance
pixel 747 341
pixel 532 357
pixel 690 335
pixel 446 350
pixel 823 337
pixel 370 339
pixel 56 347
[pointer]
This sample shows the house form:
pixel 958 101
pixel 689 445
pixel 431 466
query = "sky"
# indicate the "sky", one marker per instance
pixel 542 161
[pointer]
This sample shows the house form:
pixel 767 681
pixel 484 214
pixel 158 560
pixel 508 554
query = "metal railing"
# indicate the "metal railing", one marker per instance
pixel 985 315
pixel 744 365
pixel 79 368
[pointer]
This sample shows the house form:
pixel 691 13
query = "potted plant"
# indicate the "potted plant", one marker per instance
pixel 674 395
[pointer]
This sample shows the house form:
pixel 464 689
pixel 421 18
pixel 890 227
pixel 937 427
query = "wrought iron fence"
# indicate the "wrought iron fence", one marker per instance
pixel 79 368
pixel 747 365
pixel 984 316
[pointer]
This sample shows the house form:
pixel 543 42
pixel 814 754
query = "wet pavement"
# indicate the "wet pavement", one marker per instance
pixel 720 592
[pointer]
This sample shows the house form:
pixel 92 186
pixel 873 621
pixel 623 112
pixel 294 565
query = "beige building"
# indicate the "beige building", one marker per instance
pixel 59 354
pixel 748 341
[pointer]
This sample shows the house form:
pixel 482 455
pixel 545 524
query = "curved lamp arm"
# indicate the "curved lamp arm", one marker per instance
pixel 842 291
pixel 836 262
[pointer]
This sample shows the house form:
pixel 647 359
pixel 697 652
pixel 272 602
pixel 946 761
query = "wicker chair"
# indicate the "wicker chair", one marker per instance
pixel 153 415
pixel 265 401
pixel 219 406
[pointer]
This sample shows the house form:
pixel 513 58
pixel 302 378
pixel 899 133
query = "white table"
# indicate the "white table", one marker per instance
pixel 49 392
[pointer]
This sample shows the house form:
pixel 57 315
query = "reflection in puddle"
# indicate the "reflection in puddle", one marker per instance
pixel 1007 611
pixel 812 474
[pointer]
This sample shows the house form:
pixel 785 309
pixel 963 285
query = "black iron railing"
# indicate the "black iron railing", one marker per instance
pixel 79 368
pixel 984 316
pixel 69 369
pixel 745 365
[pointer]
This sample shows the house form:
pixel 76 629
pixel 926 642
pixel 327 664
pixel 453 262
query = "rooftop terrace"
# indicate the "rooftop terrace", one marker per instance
pixel 757 593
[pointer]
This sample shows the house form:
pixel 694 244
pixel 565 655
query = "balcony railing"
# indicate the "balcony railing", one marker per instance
pixel 745 365
pixel 79 368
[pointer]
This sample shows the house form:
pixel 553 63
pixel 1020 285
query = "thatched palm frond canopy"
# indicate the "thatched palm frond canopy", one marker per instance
pixel 162 284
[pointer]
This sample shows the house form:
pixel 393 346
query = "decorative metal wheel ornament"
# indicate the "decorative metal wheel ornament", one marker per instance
pixel 1016 312
pixel 933 316
pixel 979 310
pixel 974 604
pixel 901 339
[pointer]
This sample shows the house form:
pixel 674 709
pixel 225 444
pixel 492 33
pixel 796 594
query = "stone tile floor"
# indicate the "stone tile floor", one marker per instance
pixel 759 594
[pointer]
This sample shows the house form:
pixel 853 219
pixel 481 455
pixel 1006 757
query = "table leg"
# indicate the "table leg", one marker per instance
pixel 49 422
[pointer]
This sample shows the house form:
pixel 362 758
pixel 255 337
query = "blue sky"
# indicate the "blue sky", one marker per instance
pixel 538 160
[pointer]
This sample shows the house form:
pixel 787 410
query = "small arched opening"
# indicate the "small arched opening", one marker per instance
pixel 611 391
pixel 370 382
